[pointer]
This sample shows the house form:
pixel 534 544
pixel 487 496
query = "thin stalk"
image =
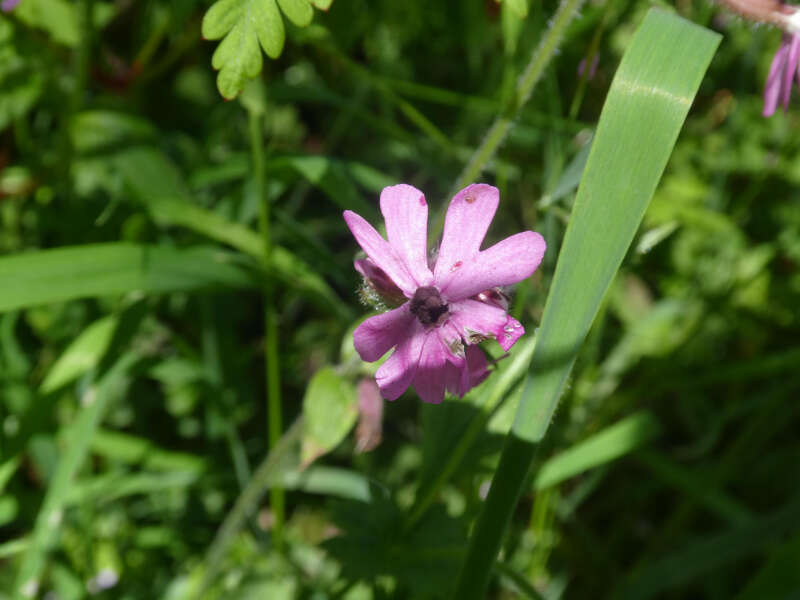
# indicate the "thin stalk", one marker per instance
pixel 77 437
pixel 83 54
pixel 537 64
pixel 594 48
pixel 247 501
pixel 272 366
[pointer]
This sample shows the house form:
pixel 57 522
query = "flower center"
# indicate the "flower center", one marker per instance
pixel 427 305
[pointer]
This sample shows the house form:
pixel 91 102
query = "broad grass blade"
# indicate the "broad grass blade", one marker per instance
pixel 645 109
pixel 643 113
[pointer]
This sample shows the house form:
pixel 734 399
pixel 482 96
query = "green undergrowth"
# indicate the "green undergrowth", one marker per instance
pixel 134 452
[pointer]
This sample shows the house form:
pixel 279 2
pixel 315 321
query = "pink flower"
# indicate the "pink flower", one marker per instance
pixel 449 309
pixel 8 5
pixel 781 74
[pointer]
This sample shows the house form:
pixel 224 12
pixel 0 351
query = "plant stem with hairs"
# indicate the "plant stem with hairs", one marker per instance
pixel 537 64
pixel 271 363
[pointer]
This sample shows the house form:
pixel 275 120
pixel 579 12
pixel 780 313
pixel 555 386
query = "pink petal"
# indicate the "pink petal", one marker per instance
pixel 379 334
pixel 382 254
pixel 477 366
pixel 772 89
pixel 430 378
pixel 456 379
pixel 468 217
pixel 450 336
pixel 507 262
pixel 395 375
pixel 510 333
pixel 789 70
pixel 406 214
pixel 471 317
pixel 475 369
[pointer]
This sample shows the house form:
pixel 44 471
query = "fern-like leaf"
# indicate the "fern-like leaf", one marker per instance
pixel 245 28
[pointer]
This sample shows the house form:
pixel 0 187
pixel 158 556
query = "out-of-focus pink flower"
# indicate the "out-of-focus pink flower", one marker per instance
pixel 782 73
pixel 448 309
pixel 370 416
pixel 9 5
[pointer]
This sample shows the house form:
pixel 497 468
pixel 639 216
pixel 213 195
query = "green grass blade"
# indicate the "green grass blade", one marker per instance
pixel 157 183
pixel 709 553
pixel 695 486
pixel 82 354
pixel 76 447
pixel 779 578
pixel 284 265
pixel 645 109
pixel 328 481
pixel 167 211
pixel 61 274
pixel 603 447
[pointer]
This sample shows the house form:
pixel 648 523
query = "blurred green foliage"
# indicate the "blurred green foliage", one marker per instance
pixel 131 338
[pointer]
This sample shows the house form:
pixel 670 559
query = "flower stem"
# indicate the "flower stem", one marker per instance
pixel 83 53
pixel 248 500
pixel 272 366
pixel 525 85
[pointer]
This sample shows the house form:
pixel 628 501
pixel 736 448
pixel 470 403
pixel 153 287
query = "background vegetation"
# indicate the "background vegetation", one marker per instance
pixel 134 446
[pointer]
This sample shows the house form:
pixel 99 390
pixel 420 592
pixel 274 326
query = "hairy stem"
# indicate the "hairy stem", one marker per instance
pixel 538 62
pixel 271 364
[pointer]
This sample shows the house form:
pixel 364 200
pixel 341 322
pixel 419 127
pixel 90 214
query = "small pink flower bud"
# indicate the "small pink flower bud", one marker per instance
pixel 370 416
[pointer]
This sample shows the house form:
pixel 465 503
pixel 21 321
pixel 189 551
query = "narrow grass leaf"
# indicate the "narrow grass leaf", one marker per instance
pixel 329 481
pixel 156 183
pixel 76 447
pixel 709 553
pixel 331 176
pixel 107 488
pixel 91 270
pixel 695 486
pixel 609 444
pixel 7 470
pixel 133 450
pixel 82 354
pixel 779 578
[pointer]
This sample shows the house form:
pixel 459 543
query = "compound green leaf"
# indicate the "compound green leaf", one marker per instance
pixel 245 28
pixel 242 25
pixel 298 12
